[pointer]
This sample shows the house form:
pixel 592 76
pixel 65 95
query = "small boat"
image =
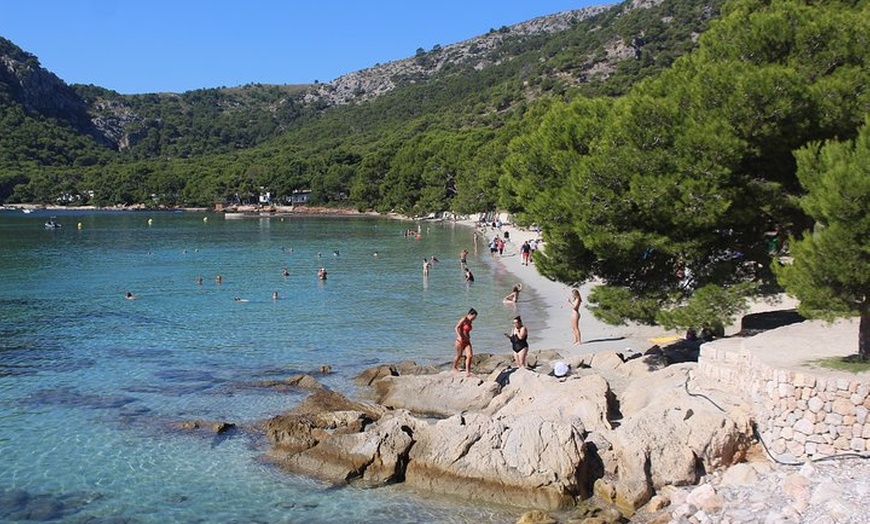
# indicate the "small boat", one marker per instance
pixel 51 223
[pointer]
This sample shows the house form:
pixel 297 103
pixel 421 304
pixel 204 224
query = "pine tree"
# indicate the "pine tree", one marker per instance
pixel 830 274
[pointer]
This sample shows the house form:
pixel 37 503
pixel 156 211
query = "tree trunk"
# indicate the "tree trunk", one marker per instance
pixel 863 334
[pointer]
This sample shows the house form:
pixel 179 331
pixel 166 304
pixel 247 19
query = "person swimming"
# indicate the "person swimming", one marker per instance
pixel 514 295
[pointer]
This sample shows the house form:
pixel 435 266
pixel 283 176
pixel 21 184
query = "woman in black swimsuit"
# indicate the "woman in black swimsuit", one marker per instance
pixel 519 338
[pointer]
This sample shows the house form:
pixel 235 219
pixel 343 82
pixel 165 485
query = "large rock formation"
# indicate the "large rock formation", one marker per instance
pixel 517 436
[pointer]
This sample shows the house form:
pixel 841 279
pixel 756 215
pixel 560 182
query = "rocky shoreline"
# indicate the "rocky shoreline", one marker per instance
pixel 615 431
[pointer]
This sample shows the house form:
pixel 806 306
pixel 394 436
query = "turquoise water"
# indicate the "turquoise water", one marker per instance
pixel 90 383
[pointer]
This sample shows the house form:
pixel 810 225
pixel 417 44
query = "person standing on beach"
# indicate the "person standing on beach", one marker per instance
pixel 463 341
pixel 526 250
pixel 519 338
pixel 575 302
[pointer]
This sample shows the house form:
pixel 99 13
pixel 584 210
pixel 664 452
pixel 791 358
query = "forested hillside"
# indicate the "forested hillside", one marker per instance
pixel 221 145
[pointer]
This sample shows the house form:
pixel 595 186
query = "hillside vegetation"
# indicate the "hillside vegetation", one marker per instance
pixel 223 145
pixel 653 141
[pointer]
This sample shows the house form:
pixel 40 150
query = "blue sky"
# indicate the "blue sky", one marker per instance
pixel 136 46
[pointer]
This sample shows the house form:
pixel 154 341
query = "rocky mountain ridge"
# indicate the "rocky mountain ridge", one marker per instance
pixel 480 51
pixel 113 119
pixel 552 53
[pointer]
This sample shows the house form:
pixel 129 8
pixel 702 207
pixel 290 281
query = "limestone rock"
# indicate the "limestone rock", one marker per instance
pixel 301 381
pixel 443 394
pixel 536 517
pixel 584 401
pixel 673 437
pixel 317 418
pixel 372 375
pixel 375 456
pixel 503 459
pixel 705 498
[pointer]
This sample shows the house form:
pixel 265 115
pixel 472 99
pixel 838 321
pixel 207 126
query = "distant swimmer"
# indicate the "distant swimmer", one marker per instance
pixel 514 295
pixel 468 276
pixel 130 296
pixel 335 253
pixel 375 254
pixel 426 267
pixel 239 299
pixel 274 295
pixel 199 280
pixel 218 279
pixel 321 274
pixel 285 272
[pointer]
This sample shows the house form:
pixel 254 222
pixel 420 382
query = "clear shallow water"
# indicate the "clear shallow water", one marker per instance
pixel 90 382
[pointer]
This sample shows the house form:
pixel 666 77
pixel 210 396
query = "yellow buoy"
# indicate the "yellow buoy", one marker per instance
pixel 79 225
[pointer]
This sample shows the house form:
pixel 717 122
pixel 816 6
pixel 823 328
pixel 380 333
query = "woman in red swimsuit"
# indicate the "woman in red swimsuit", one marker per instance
pixel 463 341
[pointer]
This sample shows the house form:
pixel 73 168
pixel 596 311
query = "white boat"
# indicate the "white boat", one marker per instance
pixel 51 223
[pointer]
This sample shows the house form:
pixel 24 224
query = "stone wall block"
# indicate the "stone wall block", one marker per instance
pixel 826 450
pixel 804 426
pixel 815 404
pixel 861 414
pixel 865 433
pixel 834 419
pixel 821 384
pixel 778 446
pixel 795 448
pixel 843 407
pixel 815 438
pixel 857 444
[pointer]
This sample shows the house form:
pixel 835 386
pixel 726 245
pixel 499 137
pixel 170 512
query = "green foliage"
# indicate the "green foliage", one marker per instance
pixel 711 307
pixel 831 269
pixel 668 193
pixel 617 305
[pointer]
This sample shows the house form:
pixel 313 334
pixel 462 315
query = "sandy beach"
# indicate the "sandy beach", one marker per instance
pixel 554 331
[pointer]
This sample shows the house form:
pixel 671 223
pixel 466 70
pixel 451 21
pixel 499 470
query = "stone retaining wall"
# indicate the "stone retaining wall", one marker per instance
pixel 799 414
